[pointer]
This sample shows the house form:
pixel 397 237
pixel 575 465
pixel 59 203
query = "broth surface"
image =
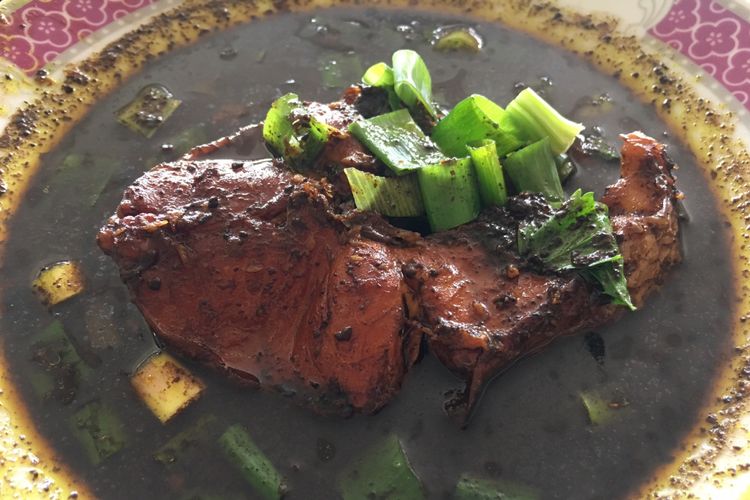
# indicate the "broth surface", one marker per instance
pixel 530 428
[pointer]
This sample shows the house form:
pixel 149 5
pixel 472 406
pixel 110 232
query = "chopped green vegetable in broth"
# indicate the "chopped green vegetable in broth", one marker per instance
pixel 242 452
pixel 457 39
pixel 190 438
pixel 474 488
pixel 99 431
pixel 153 105
pixel 383 473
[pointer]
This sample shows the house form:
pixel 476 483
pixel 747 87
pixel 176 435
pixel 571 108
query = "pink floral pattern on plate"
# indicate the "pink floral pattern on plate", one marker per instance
pixel 713 37
pixel 42 29
pixel 710 35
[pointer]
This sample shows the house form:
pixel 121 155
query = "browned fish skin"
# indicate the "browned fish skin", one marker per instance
pixel 252 268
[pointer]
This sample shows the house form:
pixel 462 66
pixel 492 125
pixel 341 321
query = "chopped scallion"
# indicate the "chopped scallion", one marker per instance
pixel 473 488
pixel 598 410
pixel 278 131
pixel 474 119
pixel 379 75
pixel 536 119
pixel 449 193
pixel 99 430
pixel 455 39
pixel 188 439
pixel 256 468
pixel 391 196
pixel 489 173
pixel 293 133
pixel 383 472
pixel 396 140
pixel 412 81
pixel 533 169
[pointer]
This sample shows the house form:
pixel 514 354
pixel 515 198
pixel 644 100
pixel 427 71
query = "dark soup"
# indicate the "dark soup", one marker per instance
pixel 589 417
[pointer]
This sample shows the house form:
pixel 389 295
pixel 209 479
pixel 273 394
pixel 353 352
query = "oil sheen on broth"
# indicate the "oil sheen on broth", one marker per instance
pixel 530 427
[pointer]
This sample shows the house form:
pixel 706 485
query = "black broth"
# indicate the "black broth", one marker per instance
pixel 530 427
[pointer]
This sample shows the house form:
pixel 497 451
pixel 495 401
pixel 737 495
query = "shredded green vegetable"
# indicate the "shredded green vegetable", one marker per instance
pixel 579 237
pixel 188 439
pixel 380 75
pixel 594 144
pixel 58 369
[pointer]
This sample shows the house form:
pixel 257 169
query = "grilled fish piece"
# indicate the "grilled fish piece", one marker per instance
pixel 259 271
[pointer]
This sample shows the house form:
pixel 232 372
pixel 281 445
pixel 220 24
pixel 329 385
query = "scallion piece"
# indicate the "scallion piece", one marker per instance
pixel 293 133
pixel 474 119
pixel 379 75
pixel 58 369
pixel 391 196
pixel 597 408
pixel 188 439
pixel 474 488
pixel 383 472
pixel 466 39
pixel 489 173
pixel 257 469
pixel 536 119
pixel 278 131
pixel 396 140
pixel 99 430
pixel 449 193
pixel 533 169
pixel 412 81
